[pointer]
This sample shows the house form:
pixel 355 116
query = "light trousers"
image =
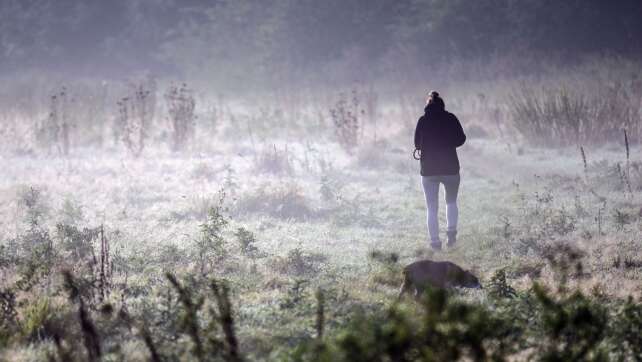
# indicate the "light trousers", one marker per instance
pixel 431 193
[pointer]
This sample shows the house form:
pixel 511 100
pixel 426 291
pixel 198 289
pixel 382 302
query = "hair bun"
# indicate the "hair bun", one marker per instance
pixel 434 94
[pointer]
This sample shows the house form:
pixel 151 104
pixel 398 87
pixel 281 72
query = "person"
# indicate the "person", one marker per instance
pixel 437 136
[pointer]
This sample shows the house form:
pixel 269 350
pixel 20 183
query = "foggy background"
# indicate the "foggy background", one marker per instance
pixel 236 46
pixel 152 148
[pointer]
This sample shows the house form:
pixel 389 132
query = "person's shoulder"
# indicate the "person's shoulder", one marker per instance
pixel 451 116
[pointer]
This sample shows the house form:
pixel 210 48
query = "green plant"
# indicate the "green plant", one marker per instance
pixel 626 330
pixel 499 288
pixel 298 262
pixel 37 319
pixel 295 294
pixel 573 328
pixel 8 314
pixel 36 207
pixel 247 241
pixel 211 245
pixel 387 269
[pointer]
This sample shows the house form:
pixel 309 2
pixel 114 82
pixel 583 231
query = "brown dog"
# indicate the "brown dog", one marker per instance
pixel 436 274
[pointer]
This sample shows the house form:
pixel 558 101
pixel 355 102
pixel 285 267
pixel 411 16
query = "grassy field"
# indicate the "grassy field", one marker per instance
pixel 282 214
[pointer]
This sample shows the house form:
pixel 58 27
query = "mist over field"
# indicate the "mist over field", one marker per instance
pixel 231 180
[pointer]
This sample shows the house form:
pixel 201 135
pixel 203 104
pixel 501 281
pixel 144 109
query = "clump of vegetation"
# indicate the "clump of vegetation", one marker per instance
pixel 295 294
pixel 55 132
pixel 563 116
pixel 135 117
pixel 298 262
pixel 181 105
pixel 346 119
pixel 385 268
pixel 499 288
pixel 247 241
pixel 211 246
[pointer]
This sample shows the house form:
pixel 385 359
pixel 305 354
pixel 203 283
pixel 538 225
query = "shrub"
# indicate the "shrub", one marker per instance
pixel 499 288
pixel 247 241
pixel 55 131
pixel 387 269
pixel 626 330
pixel 36 207
pixel 573 327
pixel 441 329
pixel 346 119
pixel 135 116
pixel 296 293
pixel 38 319
pixel 211 246
pixel 8 314
pixel 298 262
pixel 181 105
pixel 96 271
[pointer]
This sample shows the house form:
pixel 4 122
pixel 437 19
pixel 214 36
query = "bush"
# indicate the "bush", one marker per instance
pixel 181 105
pixel 247 241
pixel 298 262
pixel 573 328
pixel 499 288
pixel 135 116
pixel 440 329
pixel 38 320
pixel 346 119
pixel 55 132
pixel 211 247
pixel 626 329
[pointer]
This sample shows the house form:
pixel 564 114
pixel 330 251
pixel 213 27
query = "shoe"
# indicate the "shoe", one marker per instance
pixel 452 238
pixel 435 245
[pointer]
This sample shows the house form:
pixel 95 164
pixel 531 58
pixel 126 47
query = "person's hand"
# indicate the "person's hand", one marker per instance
pixel 416 154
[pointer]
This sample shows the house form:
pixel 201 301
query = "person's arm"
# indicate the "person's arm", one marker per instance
pixel 459 137
pixel 418 133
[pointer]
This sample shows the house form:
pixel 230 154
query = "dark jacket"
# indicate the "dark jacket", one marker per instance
pixel 437 135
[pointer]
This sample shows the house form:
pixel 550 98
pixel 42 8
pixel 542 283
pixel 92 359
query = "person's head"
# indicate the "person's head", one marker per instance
pixel 435 102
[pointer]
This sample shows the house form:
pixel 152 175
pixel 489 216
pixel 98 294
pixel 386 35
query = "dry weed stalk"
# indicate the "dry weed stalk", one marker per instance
pixel 345 117
pixel 135 114
pixel 181 105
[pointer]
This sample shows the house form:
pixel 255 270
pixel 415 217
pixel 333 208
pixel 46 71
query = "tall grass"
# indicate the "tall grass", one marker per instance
pixel 566 116
pixel 181 105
